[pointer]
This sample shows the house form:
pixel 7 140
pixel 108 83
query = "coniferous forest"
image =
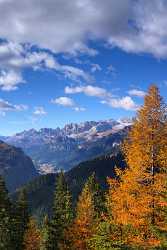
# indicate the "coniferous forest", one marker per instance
pixel 131 213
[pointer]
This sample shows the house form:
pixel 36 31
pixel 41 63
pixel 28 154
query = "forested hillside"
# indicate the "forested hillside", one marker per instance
pixel 40 191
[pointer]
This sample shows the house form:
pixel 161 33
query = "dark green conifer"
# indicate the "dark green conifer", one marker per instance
pixel 62 214
pixel 98 195
pixel 44 233
pixel 21 219
pixel 6 220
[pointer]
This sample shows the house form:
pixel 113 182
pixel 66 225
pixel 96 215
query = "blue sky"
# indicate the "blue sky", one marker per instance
pixel 67 62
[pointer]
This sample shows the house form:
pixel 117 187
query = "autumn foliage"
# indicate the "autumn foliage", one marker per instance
pixel 82 228
pixel 32 237
pixel 138 198
pixel 128 214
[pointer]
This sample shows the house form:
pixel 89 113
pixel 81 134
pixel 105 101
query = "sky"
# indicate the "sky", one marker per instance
pixel 72 61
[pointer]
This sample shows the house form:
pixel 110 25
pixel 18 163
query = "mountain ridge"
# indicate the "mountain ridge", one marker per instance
pixel 16 167
pixel 55 149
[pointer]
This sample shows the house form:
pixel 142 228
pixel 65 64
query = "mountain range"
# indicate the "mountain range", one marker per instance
pixel 64 148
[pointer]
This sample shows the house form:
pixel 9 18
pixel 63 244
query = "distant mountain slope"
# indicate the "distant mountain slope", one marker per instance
pixel 64 148
pixel 15 166
pixel 40 191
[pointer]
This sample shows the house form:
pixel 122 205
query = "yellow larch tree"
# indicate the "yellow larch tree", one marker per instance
pixel 81 229
pixel 32 236
pixel 138 197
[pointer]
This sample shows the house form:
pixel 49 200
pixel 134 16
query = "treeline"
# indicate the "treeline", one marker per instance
pixel 131 214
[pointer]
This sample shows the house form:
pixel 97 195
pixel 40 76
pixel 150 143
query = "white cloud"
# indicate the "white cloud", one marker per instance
pixel 74 73
pixel 15 58
pixel 68 26
pixel 64 101
pixel 39 111
pixel 136 92
pixel 125 24
pixel 79 109
pixel 147 33
pixel 125 103
pixel 88 90
pixel 6 106
pixel 63 26
pixel 9 80
pixel 34 60
pixel 60 25
pixel 20 107
pixel 67 102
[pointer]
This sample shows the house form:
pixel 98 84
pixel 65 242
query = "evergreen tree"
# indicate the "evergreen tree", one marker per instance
pixel 98 195
pixel 105 238
pixel 62 214
pixel 21 219
pixel 32 236
pixel 44 233
pixel 6 220
pixel 137 199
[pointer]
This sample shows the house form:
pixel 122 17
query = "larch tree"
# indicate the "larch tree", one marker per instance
pixel 32 236
pixel 138 197
pixel 82 228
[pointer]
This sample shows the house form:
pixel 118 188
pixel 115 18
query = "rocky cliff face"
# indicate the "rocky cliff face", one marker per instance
pixel 17 168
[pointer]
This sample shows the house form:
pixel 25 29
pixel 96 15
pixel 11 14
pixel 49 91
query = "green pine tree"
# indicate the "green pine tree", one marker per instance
pixel 101 240
pixel 21 219
pixel 97 194
pixel 6 220
pixel 44 233
pixel 62 214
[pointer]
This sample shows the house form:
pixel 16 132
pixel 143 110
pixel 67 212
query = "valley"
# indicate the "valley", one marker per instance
pixel 54 149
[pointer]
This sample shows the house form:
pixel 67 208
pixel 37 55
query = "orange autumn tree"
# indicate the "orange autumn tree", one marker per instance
pixel 82 228
pixel 32 236
pixel 138 198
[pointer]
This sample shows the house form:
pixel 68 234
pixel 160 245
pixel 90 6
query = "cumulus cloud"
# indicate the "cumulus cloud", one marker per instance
pixel 67 102
pixel 34 60
pixel 9 80
pixel 64 101
pixel 6 106
pixel 67 26
pixel 147 33
pixel 125 103
pixel 39 111
pixel 88 90
pixel 15 58
pixel 136 92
